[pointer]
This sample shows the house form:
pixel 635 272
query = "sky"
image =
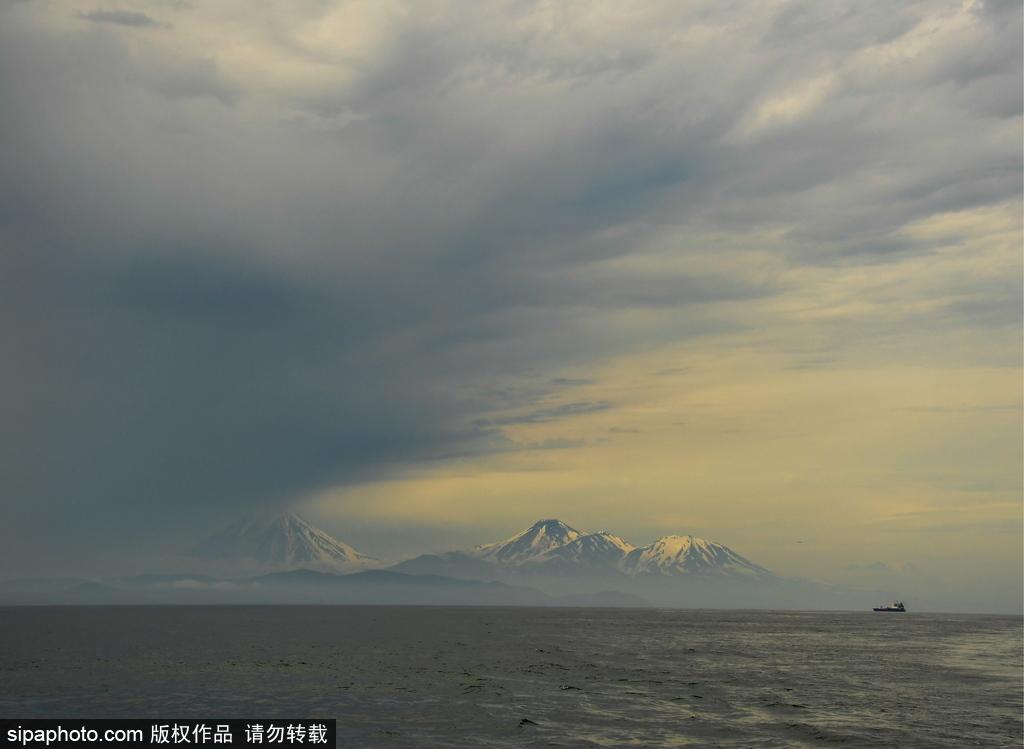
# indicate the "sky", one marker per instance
pixel 428 271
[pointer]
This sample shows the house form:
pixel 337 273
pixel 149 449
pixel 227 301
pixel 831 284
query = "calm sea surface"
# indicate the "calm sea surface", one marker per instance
pixel 468 677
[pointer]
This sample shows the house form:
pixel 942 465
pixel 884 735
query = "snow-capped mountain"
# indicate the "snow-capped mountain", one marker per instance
pixel 688 555
pixel 541 537
pixel 283 542
pixel 593 551
pixel 550 547
pixel 600 545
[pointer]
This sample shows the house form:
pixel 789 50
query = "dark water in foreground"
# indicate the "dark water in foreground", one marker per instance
pixel 466 677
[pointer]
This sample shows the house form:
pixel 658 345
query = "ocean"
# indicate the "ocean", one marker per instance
pixel 535 677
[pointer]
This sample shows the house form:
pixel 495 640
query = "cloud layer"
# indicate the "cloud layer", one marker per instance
pixel 250 254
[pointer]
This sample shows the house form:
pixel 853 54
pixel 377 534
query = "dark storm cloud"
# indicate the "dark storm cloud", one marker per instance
pixel 170 385
pixel 229 283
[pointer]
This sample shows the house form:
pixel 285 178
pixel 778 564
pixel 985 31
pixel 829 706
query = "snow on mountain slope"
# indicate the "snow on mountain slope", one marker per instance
pixel 602 550
pixel 688 555
pixel 284 542
pixel 541 537
pixel 552 547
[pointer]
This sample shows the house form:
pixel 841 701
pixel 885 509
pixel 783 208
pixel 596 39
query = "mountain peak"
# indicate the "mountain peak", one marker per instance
pixel 676 543
pixel 607 538
pixel 282 541
pixel 551 524
pixel 677 554
pixel 541 537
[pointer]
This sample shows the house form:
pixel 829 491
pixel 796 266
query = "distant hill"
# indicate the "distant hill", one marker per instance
pixel 302 586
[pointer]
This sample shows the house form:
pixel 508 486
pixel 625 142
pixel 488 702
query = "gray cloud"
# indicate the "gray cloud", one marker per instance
pixel 553 413
pixel 226 291
pixel 118 18
pixel 188 79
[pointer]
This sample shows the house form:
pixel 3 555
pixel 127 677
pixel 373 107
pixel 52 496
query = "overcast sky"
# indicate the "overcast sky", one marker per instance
pixel 428 271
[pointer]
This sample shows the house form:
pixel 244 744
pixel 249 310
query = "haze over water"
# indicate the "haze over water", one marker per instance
pixel 470 677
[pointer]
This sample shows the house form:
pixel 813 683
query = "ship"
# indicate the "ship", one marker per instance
pixel 897 606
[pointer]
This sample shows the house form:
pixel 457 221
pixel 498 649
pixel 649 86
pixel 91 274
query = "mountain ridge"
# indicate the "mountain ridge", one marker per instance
pixel 548 564
pixel 552 546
